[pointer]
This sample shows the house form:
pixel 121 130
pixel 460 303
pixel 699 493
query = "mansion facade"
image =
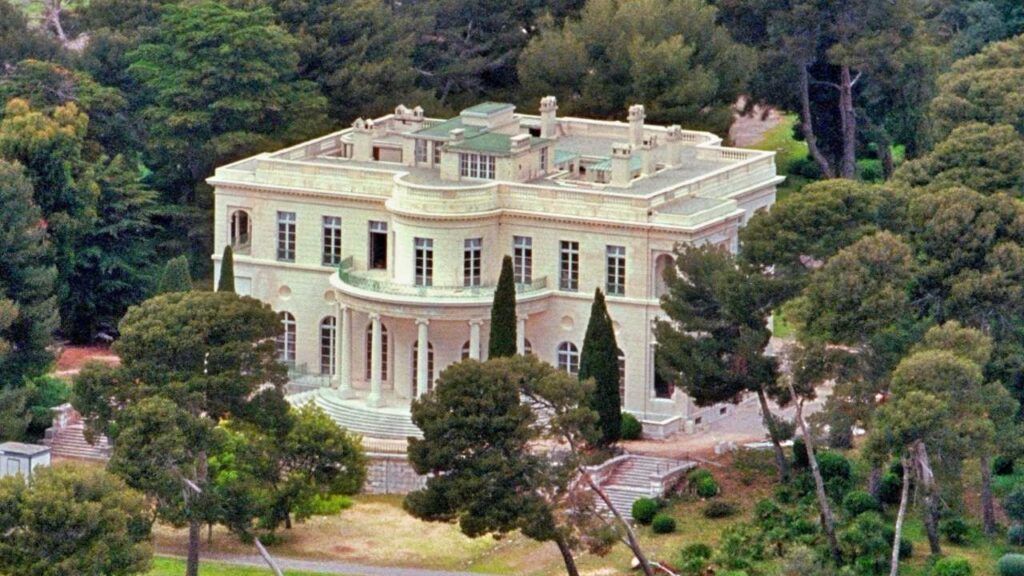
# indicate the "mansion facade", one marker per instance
pixel 380 245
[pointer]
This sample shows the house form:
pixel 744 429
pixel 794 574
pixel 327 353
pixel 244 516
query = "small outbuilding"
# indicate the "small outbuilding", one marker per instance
pixel 19 458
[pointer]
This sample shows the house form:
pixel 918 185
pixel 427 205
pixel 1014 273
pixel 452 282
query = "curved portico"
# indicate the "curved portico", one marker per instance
pixel 459 316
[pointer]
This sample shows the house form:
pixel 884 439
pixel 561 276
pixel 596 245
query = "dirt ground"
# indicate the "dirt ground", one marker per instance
pixel 72 358
pixel 749 129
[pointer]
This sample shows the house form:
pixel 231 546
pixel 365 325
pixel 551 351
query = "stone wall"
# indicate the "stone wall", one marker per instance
pixel 391 474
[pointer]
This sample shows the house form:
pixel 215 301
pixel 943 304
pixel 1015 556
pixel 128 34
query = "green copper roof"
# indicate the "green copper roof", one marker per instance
pixel 563 156
pixel 441 130
pixel 487 108
pixel 491 143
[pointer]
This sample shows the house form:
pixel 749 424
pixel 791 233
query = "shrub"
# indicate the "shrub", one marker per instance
pixel 740 548
pixel 1002 465
pixel 890 489
pixel 858 501
pixel 951 566
pixel 694 559
pixel 663 524
pixel 955 529
pixel 1013 504
pixel 1011 565
pixel 707 488
pixel 631 428
pixel 1015 535
pixel 800 454
pixel 834 465
pixel 719 509
pixel 644 510
pixel 697 474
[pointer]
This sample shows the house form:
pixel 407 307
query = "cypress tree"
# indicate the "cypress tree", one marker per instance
pixel 503 314
pixel 226 283
pixel 175 277
pixel 600 361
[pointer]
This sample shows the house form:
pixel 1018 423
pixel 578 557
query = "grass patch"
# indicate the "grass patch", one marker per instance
pixel 779 139
pixel 163 566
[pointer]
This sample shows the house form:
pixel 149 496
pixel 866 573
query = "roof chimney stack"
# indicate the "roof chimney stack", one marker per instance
pixel 622 175
pixel 548 120
pixel 636 124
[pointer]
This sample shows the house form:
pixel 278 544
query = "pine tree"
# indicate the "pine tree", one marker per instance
pixel 503 314
pixel 26 280
pixel 226 283
pixel 175 277
pixel 600 361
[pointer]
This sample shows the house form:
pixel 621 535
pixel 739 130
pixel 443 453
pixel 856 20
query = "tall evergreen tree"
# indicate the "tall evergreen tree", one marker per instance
pixel 26 280
pixel 600 361
pixel 175 277
pixel 226 282
pixel 503 314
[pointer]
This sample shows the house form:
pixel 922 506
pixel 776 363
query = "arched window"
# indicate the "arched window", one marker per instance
pixel 568 358
pixel 383 352
pixel 241 231
pixel 622 377
pixel 465 350
pixel 328 335
pixel 416 364
pixel 527 347
pixel 662 263
pixel 286 341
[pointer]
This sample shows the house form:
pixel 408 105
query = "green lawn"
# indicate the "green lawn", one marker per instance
pixel 787 151
pixel 175 567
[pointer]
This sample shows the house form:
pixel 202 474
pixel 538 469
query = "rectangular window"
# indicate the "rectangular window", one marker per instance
pixel 332 241
pixel 569 266
pixel 286 236
pixel 437 151
pixel 472 252
pixel 522 259
pixel 378 245
pixel 424 261
pixel 421 151
pixel 544 160
pixel 615 284
pixel 476 166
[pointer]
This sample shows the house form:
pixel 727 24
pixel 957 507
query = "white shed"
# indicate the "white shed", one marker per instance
pixel 18 458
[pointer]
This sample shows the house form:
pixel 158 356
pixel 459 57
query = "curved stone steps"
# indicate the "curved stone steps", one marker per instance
pixel 355 416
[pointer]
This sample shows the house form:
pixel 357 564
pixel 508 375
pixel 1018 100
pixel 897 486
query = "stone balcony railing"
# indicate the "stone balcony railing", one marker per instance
pixel 368 281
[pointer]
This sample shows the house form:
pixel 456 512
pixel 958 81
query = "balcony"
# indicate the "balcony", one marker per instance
pixel 376 282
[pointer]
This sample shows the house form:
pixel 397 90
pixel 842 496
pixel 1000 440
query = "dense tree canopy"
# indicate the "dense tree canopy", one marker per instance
pixel 669 55
pixel 73 520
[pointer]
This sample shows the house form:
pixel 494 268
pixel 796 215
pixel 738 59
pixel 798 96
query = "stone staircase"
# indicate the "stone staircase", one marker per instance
pixel 70 442
pixel 387 422
pixel 630 477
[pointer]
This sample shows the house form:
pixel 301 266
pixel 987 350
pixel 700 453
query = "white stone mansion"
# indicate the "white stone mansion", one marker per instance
pixel 380 245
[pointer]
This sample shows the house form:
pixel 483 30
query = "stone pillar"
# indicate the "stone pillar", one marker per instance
pixel 474 339
pixel 521 335
pixel 422 356
pixel 343 341
pixel 376 362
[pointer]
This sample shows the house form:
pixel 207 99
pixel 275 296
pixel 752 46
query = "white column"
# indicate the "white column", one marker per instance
pixel 344 352
pixel 521 335
pixel 474 339
pixel 376 362
pixel 422 357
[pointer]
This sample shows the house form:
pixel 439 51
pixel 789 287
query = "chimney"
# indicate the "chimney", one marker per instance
pixel 674 140
pixel 622 175
pixel 548 121
pixel 362 140
pixel 456 136
pixel 648 161
pixel 636 124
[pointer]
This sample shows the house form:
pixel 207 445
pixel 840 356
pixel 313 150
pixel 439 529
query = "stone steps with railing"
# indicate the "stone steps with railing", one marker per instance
pixel 355 416
pixel 627 478
pixel 70 442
